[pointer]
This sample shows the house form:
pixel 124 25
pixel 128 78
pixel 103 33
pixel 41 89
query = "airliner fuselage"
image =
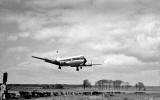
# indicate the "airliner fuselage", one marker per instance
pixel 76 61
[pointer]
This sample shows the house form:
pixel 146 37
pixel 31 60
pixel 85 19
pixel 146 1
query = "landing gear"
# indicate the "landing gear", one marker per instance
pixel 80 67
pixel 77 69
pixel 59 67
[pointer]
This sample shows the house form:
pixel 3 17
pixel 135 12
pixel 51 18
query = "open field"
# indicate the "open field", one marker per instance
pixel 116 97
pixel 151 93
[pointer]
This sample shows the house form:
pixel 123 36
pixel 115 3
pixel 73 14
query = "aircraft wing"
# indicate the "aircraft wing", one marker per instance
pixel 39 58
pixel 53 61
pixel 45 59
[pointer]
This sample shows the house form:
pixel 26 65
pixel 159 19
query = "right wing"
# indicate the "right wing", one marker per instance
pixel 39 58
pixel 45 59
pixel 48 60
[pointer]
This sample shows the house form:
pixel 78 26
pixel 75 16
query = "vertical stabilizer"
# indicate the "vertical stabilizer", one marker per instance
pixel 57 55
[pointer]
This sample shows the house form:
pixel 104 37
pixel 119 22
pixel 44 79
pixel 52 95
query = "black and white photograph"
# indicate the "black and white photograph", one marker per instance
pixel 79 49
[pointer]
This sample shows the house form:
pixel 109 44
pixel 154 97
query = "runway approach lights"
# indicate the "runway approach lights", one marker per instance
pixel 4 87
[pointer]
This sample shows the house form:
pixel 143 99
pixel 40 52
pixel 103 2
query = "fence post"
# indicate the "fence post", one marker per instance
pixel 4 87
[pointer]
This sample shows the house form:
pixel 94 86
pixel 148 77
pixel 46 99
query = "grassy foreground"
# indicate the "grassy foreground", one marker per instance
pixel 116 97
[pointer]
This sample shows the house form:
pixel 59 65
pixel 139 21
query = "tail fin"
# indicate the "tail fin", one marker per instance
pixel 57 55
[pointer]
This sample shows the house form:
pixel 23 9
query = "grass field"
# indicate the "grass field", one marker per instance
pixel 119 97
pixel 130 94
pixel 116 97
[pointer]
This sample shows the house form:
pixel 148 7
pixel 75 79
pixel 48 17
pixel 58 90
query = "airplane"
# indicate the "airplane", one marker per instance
pixel 76 61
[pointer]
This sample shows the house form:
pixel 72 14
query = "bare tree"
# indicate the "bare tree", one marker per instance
pixel 140 86
pixel 101 83
pixel 86 84
pixel 117 84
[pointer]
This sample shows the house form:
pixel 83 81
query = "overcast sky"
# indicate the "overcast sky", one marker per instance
pixel 123 35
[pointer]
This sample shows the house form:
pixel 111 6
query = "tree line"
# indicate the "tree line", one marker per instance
pixel 116 84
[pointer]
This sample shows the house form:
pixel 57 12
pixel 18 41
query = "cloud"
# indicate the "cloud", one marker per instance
pixel 149 77
pixel 47 33
pixel 2 36
pixel 24 35
pixel 124 34
pixel 18 49
pixel 121 60
pixel 56 4
pixel 16 37
pixel 45 54
pixel 12 38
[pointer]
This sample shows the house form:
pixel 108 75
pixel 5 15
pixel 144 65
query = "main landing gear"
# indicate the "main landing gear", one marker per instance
pixel 77 68
pixel 59 67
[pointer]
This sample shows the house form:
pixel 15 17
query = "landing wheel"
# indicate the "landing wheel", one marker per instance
pixel 59 67
pixel 77 69
pixel 80 67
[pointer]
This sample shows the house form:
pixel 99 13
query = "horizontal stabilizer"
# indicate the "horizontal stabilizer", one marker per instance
pixel 90 64
pixel 96 64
